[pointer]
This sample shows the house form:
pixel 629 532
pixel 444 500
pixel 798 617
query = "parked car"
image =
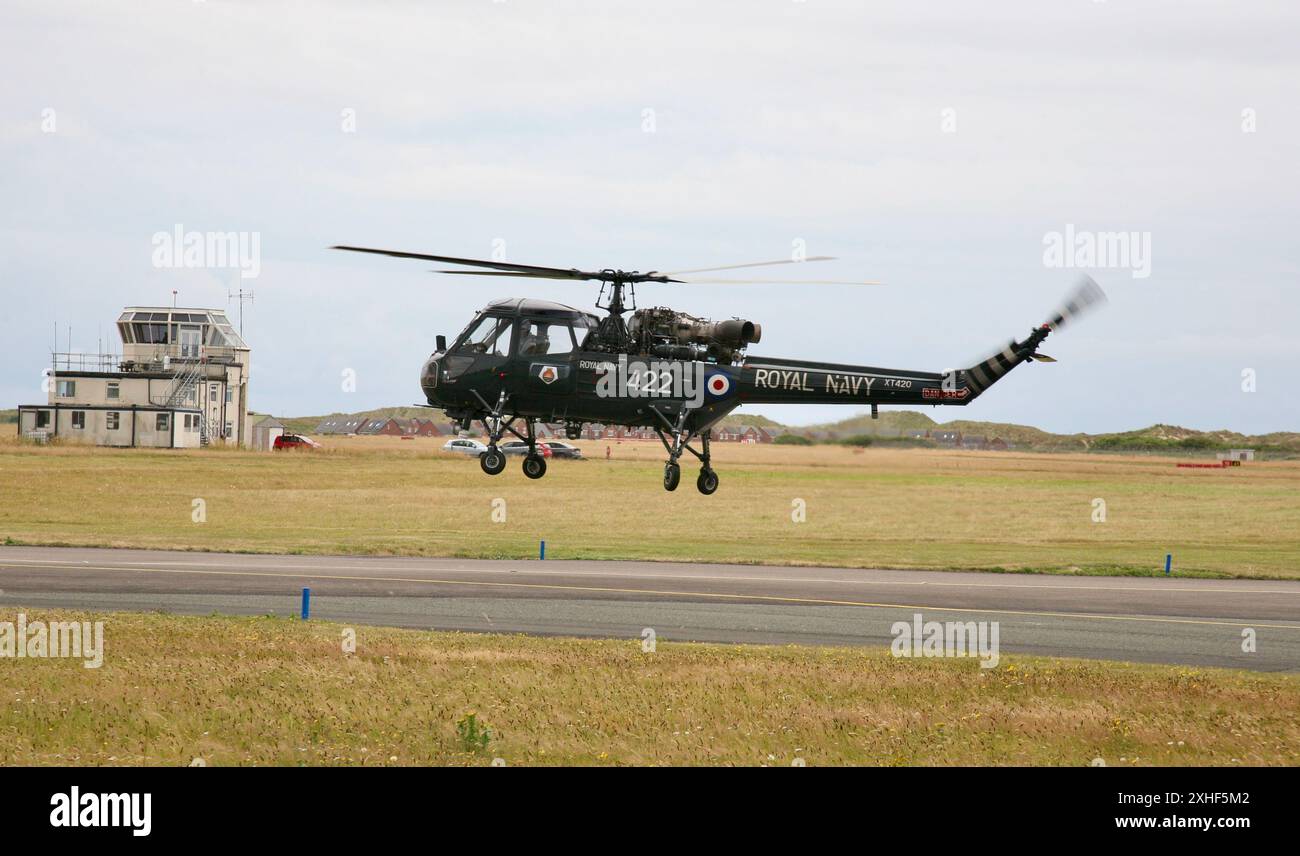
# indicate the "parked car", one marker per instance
pixel 563 450
pixel 286 442
pixel 464 446
pixel 519 447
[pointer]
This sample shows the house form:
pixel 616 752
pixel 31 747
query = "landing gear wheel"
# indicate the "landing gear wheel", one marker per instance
pixel 672 475
pixel 534 466
pixel 707 482
pixel 492 461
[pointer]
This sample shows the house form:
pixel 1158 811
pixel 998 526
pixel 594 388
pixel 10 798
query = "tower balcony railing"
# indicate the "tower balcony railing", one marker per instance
pixel 147 358
pixel 71 361
pixel 187 353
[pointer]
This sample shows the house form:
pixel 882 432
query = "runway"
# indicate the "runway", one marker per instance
pixel 1181 621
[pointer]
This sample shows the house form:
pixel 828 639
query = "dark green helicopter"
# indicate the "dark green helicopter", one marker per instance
pixel 522 361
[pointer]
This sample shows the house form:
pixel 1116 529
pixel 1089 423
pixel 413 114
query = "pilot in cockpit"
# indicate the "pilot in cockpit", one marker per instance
pixel 534 340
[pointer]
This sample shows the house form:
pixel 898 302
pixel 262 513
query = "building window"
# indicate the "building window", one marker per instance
pixel 66 388
pixel 113 420
pixel 113 391
pixel 151 334
pixel 42 419
pixel 162 422
pixel 213 394
pixel 79 419
pixel 230 429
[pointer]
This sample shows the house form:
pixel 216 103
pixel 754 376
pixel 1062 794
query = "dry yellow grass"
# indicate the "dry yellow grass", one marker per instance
pixel 240 691
pixel 876 507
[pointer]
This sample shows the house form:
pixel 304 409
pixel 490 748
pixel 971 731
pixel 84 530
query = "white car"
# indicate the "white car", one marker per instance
pixel 464 446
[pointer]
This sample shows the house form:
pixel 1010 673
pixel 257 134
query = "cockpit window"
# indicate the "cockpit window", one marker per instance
pixel 488 335
pixel 537 338
pixel 584 328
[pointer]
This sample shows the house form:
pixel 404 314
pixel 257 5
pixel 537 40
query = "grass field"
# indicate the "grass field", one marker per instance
pixel 892 508
pixel 274 691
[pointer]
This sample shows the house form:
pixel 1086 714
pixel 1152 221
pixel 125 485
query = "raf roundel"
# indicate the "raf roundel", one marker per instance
pixel 718 384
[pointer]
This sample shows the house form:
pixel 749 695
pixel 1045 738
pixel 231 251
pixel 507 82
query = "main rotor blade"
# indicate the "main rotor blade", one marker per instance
pixel 603 276
pixel 556 273
pixel 754 264
pixel 526 274
pixel 779 282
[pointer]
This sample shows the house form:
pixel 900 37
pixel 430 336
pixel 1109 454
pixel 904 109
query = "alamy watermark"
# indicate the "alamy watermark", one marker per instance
pixel 655 379
pixel 920 638
pixel 191 249
pixel 129 810
pixel 1085 250
pixel 24 639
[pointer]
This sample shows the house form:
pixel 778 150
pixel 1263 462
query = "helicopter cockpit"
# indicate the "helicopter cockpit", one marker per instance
pixel 506 328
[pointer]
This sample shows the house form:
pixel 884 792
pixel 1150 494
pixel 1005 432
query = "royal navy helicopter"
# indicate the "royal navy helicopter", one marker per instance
pixel 522 361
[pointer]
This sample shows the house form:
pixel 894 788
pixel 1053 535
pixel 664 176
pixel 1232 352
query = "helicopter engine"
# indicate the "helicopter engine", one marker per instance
pixel 667 333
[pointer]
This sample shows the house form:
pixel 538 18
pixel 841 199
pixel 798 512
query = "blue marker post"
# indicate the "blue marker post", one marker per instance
pixel 1169 562
pixel 306 604
pixel 541 552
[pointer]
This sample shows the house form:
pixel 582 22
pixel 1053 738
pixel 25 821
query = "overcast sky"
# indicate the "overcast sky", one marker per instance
pixel 932 146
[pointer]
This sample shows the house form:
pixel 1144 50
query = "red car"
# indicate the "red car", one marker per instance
pixel 294 441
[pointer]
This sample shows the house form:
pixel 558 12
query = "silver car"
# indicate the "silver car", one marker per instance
pixel 464 446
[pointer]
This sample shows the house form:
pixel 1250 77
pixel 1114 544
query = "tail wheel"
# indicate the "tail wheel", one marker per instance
pixel 707 482
pixel 672 475
pixel 534 466
pixel 493 461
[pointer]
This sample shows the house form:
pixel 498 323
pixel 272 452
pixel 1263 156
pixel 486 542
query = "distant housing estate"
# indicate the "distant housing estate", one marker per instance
pixel 390 426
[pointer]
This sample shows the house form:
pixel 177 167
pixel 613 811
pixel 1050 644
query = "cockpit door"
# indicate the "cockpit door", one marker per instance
pixel 546 347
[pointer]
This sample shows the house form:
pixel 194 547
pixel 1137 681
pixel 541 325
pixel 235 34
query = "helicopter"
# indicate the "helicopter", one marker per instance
pixel 521 361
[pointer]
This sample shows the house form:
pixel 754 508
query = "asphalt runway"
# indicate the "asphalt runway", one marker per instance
pixel 1182 621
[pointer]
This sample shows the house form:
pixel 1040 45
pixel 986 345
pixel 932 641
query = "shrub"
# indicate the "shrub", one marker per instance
pixel 474 735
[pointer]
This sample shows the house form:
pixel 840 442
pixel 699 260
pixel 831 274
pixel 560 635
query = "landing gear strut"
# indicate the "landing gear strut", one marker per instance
pixel 495 423
pixel 707 483
pixel 493 461
pixel 708 480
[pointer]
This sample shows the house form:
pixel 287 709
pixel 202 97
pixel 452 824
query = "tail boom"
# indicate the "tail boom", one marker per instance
pixel 764 380
pixel 773 381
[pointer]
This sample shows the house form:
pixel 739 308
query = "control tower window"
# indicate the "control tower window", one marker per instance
pixel 150 334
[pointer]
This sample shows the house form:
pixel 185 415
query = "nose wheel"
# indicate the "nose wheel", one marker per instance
pixel 534 466
pixel 707 482
pixel 493 461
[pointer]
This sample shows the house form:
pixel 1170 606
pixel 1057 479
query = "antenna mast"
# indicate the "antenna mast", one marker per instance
pixel 241 296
